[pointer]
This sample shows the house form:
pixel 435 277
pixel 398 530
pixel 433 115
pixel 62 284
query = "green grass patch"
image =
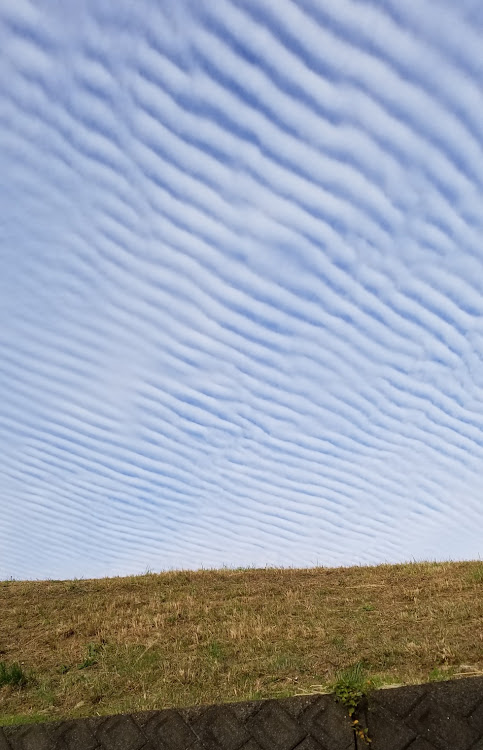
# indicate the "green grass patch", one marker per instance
pixel 93 651
pixel 349 689
pixel 351 685
pixel 476 576
pixel 12 720
pixel 12 674
pixel 439 675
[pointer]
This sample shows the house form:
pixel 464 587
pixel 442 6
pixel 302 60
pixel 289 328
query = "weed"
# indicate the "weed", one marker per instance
pixel 215 650
pixel 476 576
pixel 285 661
pixel 93 651
pixel 368 607
pixel 11 720
pixel 46 694
pixel 12 675
pixel 438 675
pixel 350 687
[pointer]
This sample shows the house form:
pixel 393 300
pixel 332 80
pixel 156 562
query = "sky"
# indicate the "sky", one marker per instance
pixel 241 310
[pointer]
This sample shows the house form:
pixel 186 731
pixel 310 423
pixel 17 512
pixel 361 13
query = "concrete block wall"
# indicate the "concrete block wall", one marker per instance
pixel 434 716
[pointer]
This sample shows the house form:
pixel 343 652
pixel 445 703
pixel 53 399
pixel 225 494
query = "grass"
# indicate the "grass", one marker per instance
pixel 349 688
pixel 12 674
pixel 476 575
pixel 350 685
pixel 184 638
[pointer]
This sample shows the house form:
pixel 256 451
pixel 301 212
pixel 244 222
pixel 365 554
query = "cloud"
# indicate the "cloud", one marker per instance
pixel 241 317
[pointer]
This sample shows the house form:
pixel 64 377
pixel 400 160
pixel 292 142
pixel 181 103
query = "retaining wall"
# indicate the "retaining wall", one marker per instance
pixel 435 716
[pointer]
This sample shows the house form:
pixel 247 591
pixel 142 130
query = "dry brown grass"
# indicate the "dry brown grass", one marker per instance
pixel 200 637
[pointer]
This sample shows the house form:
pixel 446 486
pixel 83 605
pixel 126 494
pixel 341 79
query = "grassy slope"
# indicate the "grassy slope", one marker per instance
pixel 189 638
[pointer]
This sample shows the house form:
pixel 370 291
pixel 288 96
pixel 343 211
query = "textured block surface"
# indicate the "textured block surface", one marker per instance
pixel 435 716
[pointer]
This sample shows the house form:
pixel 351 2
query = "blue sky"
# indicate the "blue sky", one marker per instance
pixel 241 293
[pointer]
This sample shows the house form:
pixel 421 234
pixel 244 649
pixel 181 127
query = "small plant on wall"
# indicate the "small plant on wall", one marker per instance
pixel 350 687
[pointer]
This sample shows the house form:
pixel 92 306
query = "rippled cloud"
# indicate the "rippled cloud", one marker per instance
pixel 241 290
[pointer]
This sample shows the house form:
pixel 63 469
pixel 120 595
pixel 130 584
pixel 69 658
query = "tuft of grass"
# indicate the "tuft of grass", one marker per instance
pixel 93 651
pixel 350 686
pixel 12 720
pixel 476 575
pixel 12 675
pixel 215 650
pixel 439 674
